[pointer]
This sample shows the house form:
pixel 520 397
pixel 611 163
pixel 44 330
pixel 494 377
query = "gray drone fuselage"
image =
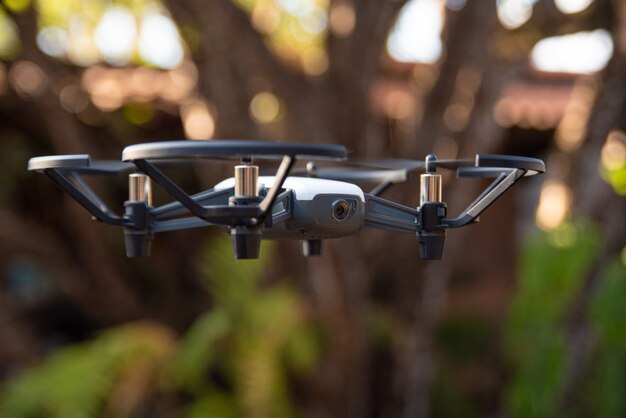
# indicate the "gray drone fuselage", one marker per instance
pixel 311 208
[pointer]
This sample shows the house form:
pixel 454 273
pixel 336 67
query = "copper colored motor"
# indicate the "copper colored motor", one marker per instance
pixel 246 180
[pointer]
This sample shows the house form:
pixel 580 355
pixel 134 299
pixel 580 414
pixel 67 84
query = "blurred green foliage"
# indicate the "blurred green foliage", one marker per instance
pixel 608 376
pixel 616 177
pixel 465 338
pixel 109 373
pixel 553 268
pixel 10 44
pixel 235 360
pixel 138 113
pixel 466 344
pixel 251 340
pixel 296 31
pixel 448 401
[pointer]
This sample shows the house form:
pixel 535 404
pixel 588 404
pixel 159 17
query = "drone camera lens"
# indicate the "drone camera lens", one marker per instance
pixel 341 210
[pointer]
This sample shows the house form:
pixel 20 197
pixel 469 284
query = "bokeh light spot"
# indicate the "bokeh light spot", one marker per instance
pixel 52 41
pixel 554 204
pixel 314 62
pixel 115 35
pixel 572 6
pixel 138 113
pixel 265 18
pixel 614 151
pixel 514 13
pixel 145 83
pixel 578 53
pixel 455 5
pixel 159 41
pixel 565 236
pixel 177 84
pixel 571 130
pixel 416 36
pixel 198 122
pixel 73 98
pixel 295 7
pixel 342 19
pixel 16 6
pixel 82 49
pixel 28 79
pixel 9 39
pixel 315 21
pixel 399 104
pixel 265 107
pixel 107 95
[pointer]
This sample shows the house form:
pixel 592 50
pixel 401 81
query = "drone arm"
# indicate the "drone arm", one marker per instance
pixel 283 171
pixel 170 187
pixel 80 184
pixel 219 214
pixel 73 185
pixel 222 214
pixel 178 224
pixel 390 216
pixel 281 212
pixel 283 207
pixel 208 197
pixel 505 180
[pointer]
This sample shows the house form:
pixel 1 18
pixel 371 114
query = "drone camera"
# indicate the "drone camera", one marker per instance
pixel 341 210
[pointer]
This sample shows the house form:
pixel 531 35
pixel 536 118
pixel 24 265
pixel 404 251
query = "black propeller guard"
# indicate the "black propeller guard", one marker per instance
pixel 388 171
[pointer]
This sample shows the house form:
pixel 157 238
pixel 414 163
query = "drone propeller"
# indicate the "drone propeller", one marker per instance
pixel 354 174
pixel 465 167
pixel 361 167
pixel 388 171
pixel 408 165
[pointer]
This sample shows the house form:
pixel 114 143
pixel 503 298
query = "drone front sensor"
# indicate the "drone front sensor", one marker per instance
pixel 310 206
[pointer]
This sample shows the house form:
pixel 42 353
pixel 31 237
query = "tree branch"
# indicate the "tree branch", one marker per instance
pixel 354 63
pixel 233 56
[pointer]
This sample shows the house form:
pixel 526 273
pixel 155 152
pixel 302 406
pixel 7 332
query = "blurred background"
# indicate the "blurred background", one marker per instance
pixel 523 318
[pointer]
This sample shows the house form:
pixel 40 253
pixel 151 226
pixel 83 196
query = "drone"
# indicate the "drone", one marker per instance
pixel 308 205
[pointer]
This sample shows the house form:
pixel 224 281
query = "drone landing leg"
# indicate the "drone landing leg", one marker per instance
pixel 311 247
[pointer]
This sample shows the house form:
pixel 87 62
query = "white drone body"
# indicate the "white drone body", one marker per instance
pixel 304 188
pixel 311 208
